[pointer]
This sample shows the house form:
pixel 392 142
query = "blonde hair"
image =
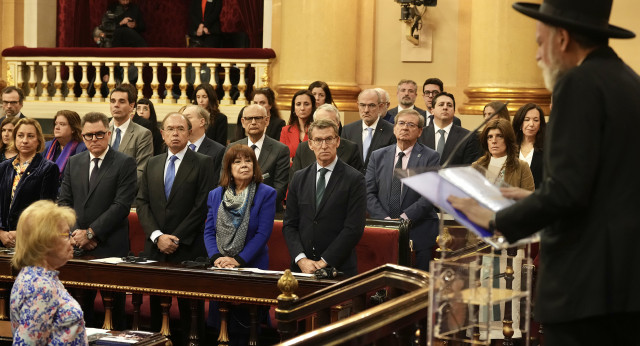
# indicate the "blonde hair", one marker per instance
pixel 38 228
pixel 34 123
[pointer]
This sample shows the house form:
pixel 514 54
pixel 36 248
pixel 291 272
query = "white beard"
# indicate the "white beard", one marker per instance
pixel 552 72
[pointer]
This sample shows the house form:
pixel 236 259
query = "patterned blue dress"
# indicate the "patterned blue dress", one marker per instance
pixel 43 312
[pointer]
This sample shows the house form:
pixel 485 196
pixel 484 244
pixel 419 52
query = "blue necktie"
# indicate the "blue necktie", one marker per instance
pixel 366 144
pixel 170 176
pixel 116 142
pixel 192 147
pixel 395 208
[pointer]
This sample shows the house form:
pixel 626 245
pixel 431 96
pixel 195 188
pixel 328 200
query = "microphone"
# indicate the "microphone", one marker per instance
pixel 472 133
pixel 327 273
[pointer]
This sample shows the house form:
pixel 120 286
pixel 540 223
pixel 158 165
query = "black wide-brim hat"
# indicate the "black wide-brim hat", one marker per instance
pixel 584 16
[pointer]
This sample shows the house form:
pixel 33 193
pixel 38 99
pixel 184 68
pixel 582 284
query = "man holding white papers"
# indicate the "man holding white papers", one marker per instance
pixel 388 199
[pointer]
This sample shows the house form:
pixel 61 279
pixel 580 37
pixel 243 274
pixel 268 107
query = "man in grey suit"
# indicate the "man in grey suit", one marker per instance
pixel 127 136
pixel 347 150
pixel 199 142
pixel 443 135
pixel 273 156
pixel 326 208
pixel 388 199
pixel 172 203
pixel 100 185
pixel 369 133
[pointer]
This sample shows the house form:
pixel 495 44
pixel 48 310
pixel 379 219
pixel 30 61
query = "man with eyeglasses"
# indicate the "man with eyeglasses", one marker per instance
pixel 199 142
pixel 369 133
pixel 172 204
pixel 12 99
pixel 431 88
pixel 326 208
pixel 347 150
pixel 407 94
pixel 443 135
pixel 386 197
pixel 272 155
pixel 100 185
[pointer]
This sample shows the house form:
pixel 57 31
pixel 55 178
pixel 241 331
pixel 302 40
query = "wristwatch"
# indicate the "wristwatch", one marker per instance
pixel 89 234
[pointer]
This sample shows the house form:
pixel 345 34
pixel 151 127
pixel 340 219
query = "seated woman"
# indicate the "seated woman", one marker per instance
pixel 205 97
pixel 67 139
pixel 303 105
pixel 42 311
pixel 26 178
pixel 320 90
pixel 492 107
pixel 7 149
pixel 267 99
pixel 500 159
pixel 529 126
pixel 145 110
pixel 241 213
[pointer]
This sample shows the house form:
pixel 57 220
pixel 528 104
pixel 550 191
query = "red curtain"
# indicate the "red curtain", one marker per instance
pixel 251 14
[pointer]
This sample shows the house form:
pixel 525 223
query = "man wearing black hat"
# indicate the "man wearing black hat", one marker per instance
pixel 589 282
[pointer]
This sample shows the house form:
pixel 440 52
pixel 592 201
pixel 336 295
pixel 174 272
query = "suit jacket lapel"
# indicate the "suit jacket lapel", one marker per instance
pixel 416 154
pixel 104 167
pixel 388 159
pixel 124 142
pixel 377 135
pixel 183 171
pixel 430 137
pixel 358 138
pixel 333 181
pixel 204 146
pixel 265 151
pixel 452 140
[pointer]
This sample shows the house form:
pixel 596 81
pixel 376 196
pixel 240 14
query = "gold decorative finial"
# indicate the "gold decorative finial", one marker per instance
pixel 287 284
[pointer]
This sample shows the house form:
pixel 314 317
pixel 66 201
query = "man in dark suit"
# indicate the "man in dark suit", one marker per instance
pixel 431 88
pixel 12 102
pixel 100 185
pixel 273 156
pixel 326 208
pixel 587 203
pixel 347 151
pixel 199 142
pixel 127 136
pixel 388 199
pixel 171 203
pixel 407 94
pixel 442 135
pixel 369 133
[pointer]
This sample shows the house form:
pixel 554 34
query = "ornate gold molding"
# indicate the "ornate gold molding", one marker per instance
pixel 184 294
pixel 517 97
pixel 345 97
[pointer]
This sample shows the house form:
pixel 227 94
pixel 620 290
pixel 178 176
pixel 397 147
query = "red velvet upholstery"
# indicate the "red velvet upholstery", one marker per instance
pixel 230 17
pixel 279 258
pixel 149 52
pixel 136 234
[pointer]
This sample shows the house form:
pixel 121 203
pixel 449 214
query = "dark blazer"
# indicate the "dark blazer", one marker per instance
pixel 347 152
pixel 39 181
pixel 536 167
pixel 218 129
pixel 211 16
pixel 332 229
pixel 158 142
pixel 392 112
pixel 183 213
pixel 137 142
pixel 382 137
pixel 419 210
pixel 262 213
pixel 466 155
pixel 588 200
pixel 216 151
pixel 274 159
pixel 273 129
pixel 105 208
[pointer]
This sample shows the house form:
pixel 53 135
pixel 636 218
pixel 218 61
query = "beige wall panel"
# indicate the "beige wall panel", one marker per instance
pixel 625 14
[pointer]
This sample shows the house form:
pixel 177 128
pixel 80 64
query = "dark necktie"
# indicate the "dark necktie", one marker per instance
pixel 116 142
pixel 320 186
pixel 396 191
pixel 440 147
pixel 93 178
pixel 170 175
pixel 430 120
pixel 192 147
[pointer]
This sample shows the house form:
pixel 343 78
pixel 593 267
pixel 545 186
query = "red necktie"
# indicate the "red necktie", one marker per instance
pixel 204 4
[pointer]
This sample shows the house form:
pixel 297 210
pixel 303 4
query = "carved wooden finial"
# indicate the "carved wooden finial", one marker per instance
pixel 287 284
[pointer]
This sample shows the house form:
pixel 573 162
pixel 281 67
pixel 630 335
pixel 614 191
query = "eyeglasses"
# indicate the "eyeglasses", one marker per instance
pixel 251 119
pixel 321 141
pixel 97 135
pixel 409 125
pixel 431 93
pixel 370 105
pixel 13 103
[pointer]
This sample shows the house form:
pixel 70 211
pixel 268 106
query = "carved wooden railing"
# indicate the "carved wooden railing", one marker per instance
pixel 401 319
pixel 69 74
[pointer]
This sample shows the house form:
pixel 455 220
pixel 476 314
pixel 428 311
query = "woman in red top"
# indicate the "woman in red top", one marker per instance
pixel 303 105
